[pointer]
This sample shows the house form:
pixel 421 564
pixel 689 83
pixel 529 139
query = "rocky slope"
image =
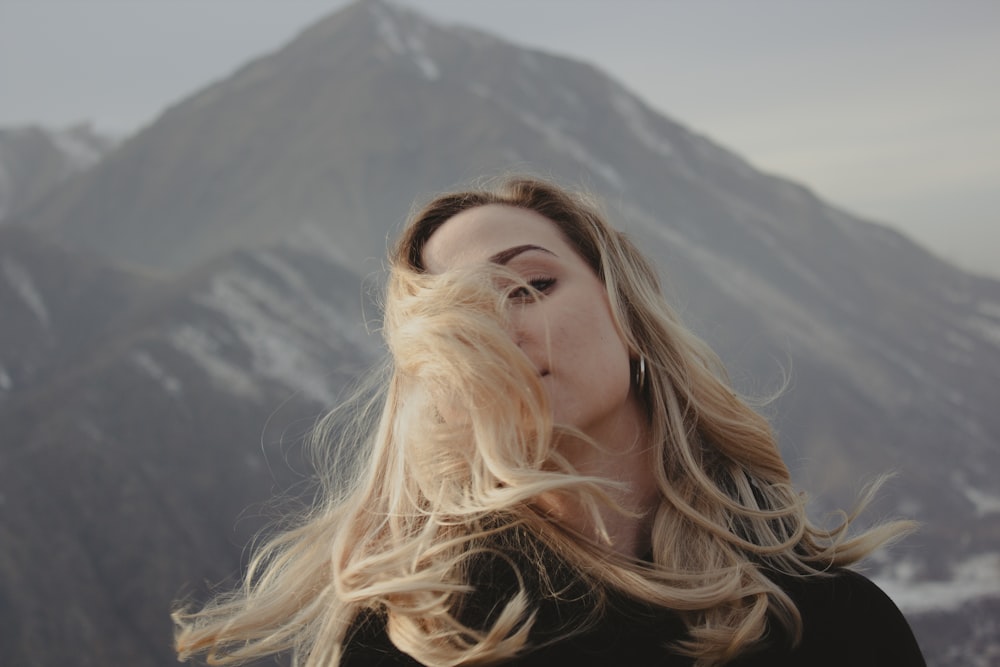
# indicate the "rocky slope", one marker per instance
pixel 157 448
pixel 33 160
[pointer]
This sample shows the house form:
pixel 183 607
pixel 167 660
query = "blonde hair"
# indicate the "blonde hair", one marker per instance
pixel 462 448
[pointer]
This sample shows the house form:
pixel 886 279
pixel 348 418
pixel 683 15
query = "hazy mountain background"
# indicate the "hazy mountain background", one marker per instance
pixel 887 108
pixel 33 161
pixel 178 311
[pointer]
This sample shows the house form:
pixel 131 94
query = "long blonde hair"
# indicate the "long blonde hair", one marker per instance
pixel 462 448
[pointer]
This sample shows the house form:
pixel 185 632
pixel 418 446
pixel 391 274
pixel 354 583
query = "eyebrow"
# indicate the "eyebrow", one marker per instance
pixel 504 256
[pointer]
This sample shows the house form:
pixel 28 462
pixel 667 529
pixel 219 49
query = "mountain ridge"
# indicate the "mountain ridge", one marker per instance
pixel 33 160
pixel 257 205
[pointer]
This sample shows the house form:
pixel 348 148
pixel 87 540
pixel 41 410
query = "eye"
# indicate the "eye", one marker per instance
pixel 541 285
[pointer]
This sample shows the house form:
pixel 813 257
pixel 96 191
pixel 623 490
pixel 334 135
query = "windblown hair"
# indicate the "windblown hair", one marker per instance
pixel 463 449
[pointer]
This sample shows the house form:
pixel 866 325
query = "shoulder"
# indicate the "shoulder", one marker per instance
pixel 847 619
pixel 839 591
pixel 368 645
pixel 848 600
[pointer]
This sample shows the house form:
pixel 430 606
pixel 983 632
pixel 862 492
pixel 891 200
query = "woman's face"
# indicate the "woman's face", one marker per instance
pixel 568 334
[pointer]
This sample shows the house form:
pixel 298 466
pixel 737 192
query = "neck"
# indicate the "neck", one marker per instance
pixel 630 533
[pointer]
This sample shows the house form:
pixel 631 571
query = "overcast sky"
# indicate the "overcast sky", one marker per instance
pixel 889 108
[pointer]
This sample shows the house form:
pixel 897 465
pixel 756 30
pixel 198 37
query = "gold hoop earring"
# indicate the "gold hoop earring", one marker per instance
pixel 640 373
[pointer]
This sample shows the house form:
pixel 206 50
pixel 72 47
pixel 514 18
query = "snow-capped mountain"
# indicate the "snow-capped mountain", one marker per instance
pixel 33 160
pixel 260 203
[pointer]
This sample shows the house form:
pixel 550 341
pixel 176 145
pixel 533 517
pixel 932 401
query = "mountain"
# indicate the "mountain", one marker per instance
pixel 33 160
pixel 158 447
pixel 245 217
pixel 57 303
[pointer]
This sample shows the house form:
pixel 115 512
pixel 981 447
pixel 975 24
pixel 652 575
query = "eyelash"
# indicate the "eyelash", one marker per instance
pixel 542 284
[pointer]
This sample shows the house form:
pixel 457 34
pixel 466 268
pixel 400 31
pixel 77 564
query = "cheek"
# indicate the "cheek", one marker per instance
pixel 597 345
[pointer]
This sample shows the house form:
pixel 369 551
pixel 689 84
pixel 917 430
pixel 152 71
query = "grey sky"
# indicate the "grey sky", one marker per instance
pixel 889 108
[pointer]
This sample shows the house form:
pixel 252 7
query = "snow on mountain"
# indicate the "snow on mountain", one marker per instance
pixel 972 579
pixel 264 200
pixel 34 160
pixel 18 278
pixel 143 449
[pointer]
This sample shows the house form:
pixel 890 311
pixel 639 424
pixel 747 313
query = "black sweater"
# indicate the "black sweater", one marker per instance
pixel 847 621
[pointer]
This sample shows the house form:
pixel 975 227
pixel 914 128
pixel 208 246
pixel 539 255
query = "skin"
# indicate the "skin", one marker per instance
pixel 570 336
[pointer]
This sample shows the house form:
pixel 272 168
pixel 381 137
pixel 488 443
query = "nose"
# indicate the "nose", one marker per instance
pixel 516 326
pixel 517 335
pixel 529 334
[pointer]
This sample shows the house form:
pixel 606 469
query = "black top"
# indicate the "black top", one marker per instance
pixel 847 621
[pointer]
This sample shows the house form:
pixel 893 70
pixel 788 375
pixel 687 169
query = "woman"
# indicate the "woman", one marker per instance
pixel 560 474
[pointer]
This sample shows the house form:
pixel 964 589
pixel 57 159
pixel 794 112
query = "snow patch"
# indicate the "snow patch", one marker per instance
pixel 909 506
pixel 566 144
pixel 327 320
pixel 148 365
pixel 975 578
pixel 387 29
pixel 82 154
pixel 636 120
pixel 264 320
pixel 20 280
pixel 412 45
pixel 206 351
pixel 419 54
pixel 984 503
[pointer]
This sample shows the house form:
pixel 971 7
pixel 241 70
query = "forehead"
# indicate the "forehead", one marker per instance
pixel 476 234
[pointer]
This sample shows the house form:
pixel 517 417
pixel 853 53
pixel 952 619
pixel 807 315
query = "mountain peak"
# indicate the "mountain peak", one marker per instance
pixel 281 182
pixel 404 33
pixel 367 27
